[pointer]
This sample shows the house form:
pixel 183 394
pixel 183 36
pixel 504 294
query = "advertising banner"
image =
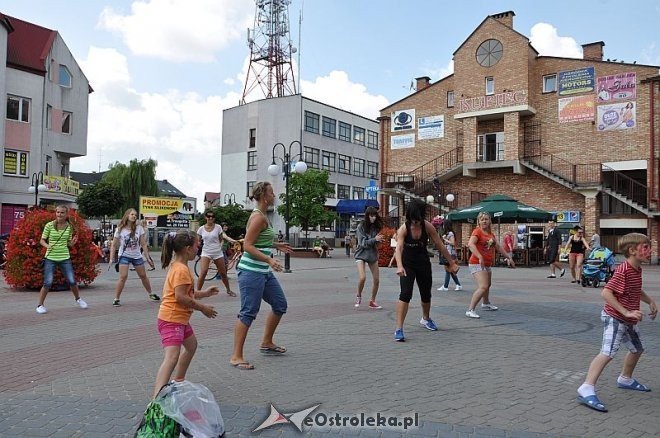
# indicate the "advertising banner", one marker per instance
pixel 617 87
pixel 59 184
pixel 15 163
pixel 576 81
pixel 430 127
pixel 576 109
pixel 402 120
pixel 402 141
pixel 167 212
pixel 617 116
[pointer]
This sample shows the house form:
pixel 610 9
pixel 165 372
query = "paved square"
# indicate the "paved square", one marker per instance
pixel 514 372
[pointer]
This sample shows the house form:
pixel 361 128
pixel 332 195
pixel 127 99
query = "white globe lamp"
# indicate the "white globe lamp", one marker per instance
pixel 429 199
pixel 450 198
pixel 273 169
pixel 300 167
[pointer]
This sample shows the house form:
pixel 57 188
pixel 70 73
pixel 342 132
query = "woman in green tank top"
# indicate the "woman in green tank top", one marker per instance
pixel 256 280
pixel 57 237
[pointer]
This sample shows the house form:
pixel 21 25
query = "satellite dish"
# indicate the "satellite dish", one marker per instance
pixel 293 50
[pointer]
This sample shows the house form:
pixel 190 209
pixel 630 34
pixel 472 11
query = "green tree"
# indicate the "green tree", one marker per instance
pixel 307 195
pixel 100 200
pixel 135 180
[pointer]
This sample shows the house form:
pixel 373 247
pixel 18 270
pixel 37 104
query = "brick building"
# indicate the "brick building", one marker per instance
pixel 574 136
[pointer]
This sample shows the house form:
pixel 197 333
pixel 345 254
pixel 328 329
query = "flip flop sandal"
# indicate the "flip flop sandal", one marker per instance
pixel 231 293
pixel 273 350
pixel 592 402
pixel 242 366
pixel 635 386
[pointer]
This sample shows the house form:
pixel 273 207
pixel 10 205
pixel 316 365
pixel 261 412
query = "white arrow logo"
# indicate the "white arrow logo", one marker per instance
pixel 295 418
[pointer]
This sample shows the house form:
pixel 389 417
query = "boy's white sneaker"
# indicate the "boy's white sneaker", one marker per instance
pixel 42 309
pixel 458 287
pixel 81 303
pixel 443 288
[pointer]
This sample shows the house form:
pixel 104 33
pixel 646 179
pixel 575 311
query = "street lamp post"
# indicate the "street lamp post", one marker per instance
pixel 230 198
pixel 37 186
pixel 274 170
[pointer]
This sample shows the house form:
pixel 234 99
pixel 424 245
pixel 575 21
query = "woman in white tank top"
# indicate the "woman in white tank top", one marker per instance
pixel 213 236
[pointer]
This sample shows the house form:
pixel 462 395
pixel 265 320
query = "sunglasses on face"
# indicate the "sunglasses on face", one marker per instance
pixel 210 216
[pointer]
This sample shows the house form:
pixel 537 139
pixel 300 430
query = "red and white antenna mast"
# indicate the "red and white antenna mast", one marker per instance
pixel 270 68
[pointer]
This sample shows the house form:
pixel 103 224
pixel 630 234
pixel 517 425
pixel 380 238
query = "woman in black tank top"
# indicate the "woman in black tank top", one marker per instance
pixel 578 244
pixel 413 263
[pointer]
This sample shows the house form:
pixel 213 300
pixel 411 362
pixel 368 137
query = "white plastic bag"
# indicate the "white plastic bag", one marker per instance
pixel 193 406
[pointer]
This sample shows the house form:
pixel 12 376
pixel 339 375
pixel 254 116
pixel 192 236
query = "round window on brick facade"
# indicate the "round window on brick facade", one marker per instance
pixel 489 53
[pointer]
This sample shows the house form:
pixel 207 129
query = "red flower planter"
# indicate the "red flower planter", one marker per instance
pixel 24 254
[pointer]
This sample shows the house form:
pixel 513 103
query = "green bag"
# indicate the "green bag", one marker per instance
pixel 155 424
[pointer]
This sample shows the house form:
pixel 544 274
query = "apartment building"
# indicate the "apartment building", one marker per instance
pixel 578 137
pixel 339 142
pixel 45 118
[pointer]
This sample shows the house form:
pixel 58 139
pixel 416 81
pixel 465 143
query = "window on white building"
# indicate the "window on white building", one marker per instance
pixel 372 140
pixel 15 163
pixel 64 77
pixel 18 108
pixel 252 160
pixel 66 122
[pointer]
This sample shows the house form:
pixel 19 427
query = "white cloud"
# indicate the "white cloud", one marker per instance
pixel 182 131
pixel 547 42
pixel 337 90
pixel 650 54
pixel 180 30
pixel 437 73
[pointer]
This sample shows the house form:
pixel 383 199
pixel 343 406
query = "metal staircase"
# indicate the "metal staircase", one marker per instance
pixel 598 176
pixel 425 179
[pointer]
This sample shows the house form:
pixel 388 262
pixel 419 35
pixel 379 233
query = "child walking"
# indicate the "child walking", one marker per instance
pixel 622 295
pixel 179 301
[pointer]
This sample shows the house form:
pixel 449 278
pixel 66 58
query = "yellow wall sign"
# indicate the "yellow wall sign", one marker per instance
pixel 59 184
pixel 167 212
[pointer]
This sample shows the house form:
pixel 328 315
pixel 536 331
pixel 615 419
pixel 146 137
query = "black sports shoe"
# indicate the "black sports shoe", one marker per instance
pixel 116 303
pixel 154 297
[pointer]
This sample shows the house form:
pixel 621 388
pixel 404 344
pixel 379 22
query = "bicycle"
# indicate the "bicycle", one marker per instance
pixel 210 274
pixel 237 252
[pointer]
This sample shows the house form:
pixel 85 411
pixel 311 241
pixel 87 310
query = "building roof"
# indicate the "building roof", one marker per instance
pixel 87 179
pixel 211 197
pixel 28 45
pixel 167 189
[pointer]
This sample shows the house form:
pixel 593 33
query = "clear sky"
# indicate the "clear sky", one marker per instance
pixel 163 70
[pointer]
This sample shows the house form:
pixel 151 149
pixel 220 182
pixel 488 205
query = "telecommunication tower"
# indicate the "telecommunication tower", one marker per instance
pixel 270 46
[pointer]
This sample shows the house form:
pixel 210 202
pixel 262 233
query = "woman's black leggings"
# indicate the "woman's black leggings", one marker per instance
pixel 422 273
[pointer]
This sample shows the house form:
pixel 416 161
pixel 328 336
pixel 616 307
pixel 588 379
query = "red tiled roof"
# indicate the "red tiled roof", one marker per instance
pixel 28 45
pixel 211 196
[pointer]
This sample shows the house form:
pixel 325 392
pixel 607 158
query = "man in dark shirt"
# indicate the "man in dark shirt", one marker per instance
pixel 552 243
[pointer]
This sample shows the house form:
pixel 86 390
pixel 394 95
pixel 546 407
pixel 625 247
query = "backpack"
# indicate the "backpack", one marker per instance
pixel 155 424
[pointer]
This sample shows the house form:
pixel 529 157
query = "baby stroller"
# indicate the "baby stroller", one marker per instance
pixel 598 267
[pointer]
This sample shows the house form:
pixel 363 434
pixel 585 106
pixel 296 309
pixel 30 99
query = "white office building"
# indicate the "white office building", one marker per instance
pixel 342 143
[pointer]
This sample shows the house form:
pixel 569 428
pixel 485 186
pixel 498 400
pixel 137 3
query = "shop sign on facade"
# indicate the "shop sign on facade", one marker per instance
pixel 575 81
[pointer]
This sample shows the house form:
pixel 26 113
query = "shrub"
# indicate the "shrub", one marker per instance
pixel 385 251
pixel 24 254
